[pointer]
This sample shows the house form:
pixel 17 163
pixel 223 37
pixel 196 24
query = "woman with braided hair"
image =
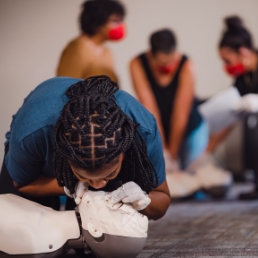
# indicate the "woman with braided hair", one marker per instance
pixel 71 134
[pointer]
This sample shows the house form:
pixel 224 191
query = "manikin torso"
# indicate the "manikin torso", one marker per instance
pixel 29 228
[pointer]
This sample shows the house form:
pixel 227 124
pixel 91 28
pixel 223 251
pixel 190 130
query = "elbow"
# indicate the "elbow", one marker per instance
pixel 157 216
pixel 161 211
pixel 16 186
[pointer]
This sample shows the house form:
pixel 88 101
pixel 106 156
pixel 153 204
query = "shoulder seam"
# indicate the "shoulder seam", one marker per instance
pixel 34 132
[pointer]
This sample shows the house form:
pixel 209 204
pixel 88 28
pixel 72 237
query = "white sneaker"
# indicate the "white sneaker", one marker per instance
pixel 210 176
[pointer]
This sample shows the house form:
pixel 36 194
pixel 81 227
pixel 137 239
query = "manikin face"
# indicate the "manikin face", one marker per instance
pixel 100 217
pixel 99 178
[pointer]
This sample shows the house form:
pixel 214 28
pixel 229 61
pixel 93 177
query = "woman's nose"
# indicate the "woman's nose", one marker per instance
pixel 100 183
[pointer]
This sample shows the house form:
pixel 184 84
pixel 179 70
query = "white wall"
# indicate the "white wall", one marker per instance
pixel 33 33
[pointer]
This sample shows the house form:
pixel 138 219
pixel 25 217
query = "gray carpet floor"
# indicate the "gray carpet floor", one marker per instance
pixel 227 228
pixel 203 229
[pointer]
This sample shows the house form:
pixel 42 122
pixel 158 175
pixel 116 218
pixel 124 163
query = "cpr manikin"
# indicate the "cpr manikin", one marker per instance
pixel 28 229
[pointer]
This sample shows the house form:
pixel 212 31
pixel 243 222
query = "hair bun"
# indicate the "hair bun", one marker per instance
pixel 234 23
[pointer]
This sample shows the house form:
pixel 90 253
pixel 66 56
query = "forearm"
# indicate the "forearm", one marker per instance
pixel 145 94
pixel 216 139
pixel 176 136
pixel 43 186
pixel 159 204
pixel 162 134
pixel 181 108
pixel 152 108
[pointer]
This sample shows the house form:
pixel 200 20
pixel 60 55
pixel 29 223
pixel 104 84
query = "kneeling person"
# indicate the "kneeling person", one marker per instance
pixel 87 131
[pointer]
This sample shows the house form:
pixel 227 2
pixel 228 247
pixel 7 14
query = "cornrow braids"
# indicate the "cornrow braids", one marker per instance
pixel 92 131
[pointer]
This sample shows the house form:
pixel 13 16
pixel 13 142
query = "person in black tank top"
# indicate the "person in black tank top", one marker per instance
pixel 165 96
pixel 241 61
pixel 164 83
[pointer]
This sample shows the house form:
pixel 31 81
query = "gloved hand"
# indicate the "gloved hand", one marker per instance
pixel 79 190
pixel 130 193
pixel 248 103
pixel 170 164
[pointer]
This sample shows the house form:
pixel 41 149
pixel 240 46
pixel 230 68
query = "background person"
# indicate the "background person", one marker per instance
pixel 72 134
pixel 87 54
pixel 164 82
pixel 240 58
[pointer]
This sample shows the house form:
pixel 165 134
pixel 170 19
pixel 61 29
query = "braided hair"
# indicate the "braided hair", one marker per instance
pixel 92 131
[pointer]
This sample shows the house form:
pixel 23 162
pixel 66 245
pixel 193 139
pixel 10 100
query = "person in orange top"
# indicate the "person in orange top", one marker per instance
pixel 87 54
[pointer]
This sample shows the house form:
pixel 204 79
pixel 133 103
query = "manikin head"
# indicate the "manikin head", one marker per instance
pixel 236 47
pixel 163 51
pixel 95 141
pixel 103 17
pixel 112 230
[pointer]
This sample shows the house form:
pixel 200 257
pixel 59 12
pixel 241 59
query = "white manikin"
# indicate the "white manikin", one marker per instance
pixel 27 228
pixel 100 217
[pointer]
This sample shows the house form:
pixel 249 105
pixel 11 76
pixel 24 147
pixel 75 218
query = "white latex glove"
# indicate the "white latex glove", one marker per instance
pixel 130 193
pixel 248 103
pixel 79 189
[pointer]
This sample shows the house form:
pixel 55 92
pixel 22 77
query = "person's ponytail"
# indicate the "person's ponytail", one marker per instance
pixel 236 34
pixel 234 23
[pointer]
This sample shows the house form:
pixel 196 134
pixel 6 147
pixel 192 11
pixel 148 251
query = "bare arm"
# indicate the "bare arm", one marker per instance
pixel 160 200
pixel 182 107
pixel 144 93
pixel 42 186
pixel 216 139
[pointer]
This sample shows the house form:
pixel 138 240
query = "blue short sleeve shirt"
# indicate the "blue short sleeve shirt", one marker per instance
pixel 31 136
